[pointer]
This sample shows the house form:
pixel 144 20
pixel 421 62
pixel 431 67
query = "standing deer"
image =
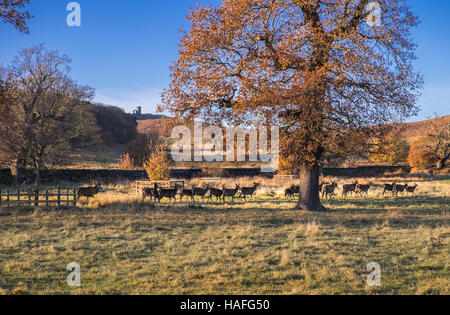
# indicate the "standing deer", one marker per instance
pixel 363 189
pixel 400 189
pixel 249 191
pixel 149 192
pixel 200 192
pixel 214 192
pixel 88 192
pixel 349 188
pixel 230 192
pixel 289 192
pixel 187 193
pixel 329 190
pixel 389 187
pixel 412 189
pixel 170 193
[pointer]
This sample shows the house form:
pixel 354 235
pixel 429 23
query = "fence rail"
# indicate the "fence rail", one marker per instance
pixel 286 177
pixel 163 184
pixel 29 197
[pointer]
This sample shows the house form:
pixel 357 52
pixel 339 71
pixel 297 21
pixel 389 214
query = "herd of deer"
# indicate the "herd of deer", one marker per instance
pixel 157 193
pixel 329 190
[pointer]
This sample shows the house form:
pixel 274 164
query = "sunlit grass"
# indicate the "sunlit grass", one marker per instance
pixel 258 247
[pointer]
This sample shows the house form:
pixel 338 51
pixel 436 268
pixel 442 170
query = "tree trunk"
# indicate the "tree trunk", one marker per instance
pixel 18 170
pixel 309 199
pixel 441 164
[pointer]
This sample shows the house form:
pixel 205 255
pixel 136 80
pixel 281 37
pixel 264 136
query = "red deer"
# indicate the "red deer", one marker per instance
pixel 89 192
pixel 170 193
pixel 150 192
pixel 412 189
pixel 400 189
pixel 214 192
pixel 230 192
pixel 187 193
pixel 389 187
pixel 349 188
pixel 200 192
pixel 329 190
pixel 249 191
pixel 363 189
pixel 289 192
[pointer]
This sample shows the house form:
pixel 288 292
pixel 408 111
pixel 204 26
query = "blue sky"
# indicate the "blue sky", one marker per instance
pixel 124 48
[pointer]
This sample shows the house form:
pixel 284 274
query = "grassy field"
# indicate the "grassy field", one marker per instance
pixel 125 246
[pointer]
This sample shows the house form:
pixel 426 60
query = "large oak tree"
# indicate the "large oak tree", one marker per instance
pixel 314 67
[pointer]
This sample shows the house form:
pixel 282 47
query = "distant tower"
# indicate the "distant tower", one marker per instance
pixel 138 111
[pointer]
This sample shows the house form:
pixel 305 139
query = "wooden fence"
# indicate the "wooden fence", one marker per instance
pixel 286 177
pixel 29 197
pixel 163 184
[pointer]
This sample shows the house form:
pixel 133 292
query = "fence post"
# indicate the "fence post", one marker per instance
pixel 7 197
pixel 1 197
pixel 46 197
pixel 29 202
pixel 36 197
pixel 75 197
pixel 18 196
pixel 59 196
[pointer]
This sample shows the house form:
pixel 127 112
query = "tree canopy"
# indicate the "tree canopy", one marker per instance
pixel 315 68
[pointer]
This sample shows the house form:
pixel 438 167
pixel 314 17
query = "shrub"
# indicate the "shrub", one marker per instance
pixel 142 147
pixel 126 162
pixel 390 150
pixel 158 166
pixel 420 156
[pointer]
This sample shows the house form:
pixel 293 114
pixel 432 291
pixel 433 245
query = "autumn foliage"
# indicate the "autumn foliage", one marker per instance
pixel 421 156
pixel 391 150
pixel 314 68
pixel 158 166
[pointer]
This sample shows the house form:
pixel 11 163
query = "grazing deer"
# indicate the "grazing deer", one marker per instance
pixel 88 192
pixel 289 192
pixel 411 189
pixel 214 192
pixel 349 188
pixel 230 192
pixel 329 190
pixel 200 192
pixel 389 187
pixel 363 189
pixel 249 191
pixel 170 193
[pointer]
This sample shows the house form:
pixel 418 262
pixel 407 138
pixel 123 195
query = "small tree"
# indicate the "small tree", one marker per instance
pixel 126 162
pixel 421 156
pixel 158 166
pixel 392 150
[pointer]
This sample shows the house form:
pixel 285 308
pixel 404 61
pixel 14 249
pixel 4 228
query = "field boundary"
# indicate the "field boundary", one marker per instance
pixel 42 196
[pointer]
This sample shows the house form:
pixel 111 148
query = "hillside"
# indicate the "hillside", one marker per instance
pixel 160 126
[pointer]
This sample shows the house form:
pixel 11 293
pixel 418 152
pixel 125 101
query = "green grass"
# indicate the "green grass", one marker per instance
pixel 259 247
